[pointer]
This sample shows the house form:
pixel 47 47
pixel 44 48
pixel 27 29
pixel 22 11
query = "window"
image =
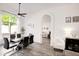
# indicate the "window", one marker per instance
pixel 5 29
pixel 9 19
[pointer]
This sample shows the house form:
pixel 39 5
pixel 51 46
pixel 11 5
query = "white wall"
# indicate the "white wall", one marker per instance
pixel 1 39
pixel 60 14
pixel 0 36
pixel 58 24
pixel 36 19
pixel 32 25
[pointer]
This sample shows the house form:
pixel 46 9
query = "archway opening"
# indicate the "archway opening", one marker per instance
pixel 46 30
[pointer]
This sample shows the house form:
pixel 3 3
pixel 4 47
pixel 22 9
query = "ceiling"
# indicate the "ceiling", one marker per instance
pixel 28 7
pixel 25 7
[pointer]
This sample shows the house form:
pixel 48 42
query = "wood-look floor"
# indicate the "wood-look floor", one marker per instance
pixel 37 49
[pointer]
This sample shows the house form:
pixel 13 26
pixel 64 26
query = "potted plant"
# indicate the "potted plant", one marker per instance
pixel 22 30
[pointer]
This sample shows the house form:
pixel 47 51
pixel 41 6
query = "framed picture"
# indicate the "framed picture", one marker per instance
pixel 68 19
pixel 76 19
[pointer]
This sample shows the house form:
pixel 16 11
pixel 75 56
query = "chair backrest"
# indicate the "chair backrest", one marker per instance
pixel 31 37
pixel 12 36
pixel 26 41
pixel 6 43
pixel 18 35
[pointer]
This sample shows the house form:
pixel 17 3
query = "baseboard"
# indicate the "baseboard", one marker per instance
pixel 58 49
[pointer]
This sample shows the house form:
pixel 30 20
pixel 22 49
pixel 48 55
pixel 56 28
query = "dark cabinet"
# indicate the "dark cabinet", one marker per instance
pixel 72 44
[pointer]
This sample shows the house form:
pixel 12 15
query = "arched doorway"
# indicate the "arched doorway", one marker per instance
pixel 46 30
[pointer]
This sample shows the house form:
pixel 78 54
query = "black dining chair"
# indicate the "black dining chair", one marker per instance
pixel 31 39
pixel 7 45
pixel 26 41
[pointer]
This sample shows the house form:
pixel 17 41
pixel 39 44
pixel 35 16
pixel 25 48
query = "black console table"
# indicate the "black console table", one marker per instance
pixel 72 44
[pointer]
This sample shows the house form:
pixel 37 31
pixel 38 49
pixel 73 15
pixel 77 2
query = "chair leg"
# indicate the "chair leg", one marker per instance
pixel 22 49
pixel 7 52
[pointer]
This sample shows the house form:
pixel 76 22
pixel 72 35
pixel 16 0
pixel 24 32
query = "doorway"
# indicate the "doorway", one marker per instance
pixel 46 32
